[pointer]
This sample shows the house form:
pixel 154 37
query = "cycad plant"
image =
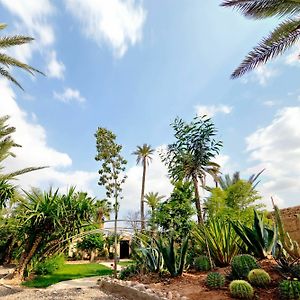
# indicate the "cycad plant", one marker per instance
pixel 279 40
pixel 7 61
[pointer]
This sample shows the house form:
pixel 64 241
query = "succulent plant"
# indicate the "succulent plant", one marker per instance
pixel 259 277
pixel 241 289
pixel 241 265
pixel 215 280
pixel 202 263
pixel 289 289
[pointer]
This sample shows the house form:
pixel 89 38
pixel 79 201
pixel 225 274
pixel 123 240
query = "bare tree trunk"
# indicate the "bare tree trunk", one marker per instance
pixel 116 238
pixel 143 195
pixel 197 199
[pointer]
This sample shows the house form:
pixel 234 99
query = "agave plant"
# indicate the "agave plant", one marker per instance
pixel 260 240
pixel 152 259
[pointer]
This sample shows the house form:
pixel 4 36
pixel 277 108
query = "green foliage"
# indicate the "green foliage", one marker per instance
pixel 260 240
pixel 295 270
pixel 241 289
pixel 215 280
pixel 241 265
pixel 176 212
pixel 218 235
pixel 152 259
pixel 259 277
pixel 202 263
pixel 49 265
pixel 129 271
pixel 91 242
pixel 289 289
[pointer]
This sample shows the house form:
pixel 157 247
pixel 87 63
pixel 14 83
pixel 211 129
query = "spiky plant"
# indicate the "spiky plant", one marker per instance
pixel 215 280
pixel 241 265
pixel 279 40
pixel 241 289
pixel 202 263
pixel 259 277
pixel 289 289
pixel 7 61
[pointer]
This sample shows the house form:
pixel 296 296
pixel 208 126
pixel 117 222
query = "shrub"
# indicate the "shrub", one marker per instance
pixel 241 265
pixel 49 265
pixel 202 263
pixel 241 289
pixel 289 289
pixel 259 277
pixel 129 271
pixel 215 280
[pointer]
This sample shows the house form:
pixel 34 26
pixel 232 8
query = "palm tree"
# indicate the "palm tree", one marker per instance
pixel 143 154
pixel 153 199
pixel 279 40
pixel 7 61
pixel 103 210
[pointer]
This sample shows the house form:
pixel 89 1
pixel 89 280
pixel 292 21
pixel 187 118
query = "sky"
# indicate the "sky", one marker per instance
pixel 133 66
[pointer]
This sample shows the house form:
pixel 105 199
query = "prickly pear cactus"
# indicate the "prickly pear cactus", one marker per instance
pixel 241 265
pixel 215 280
pixel 202 263
pixel 289 289
pixel 241 289
pixel 259 277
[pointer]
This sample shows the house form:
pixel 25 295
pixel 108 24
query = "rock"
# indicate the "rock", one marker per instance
pixel 169 295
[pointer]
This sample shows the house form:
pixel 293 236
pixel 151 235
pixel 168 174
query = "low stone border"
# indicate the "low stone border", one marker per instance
pixel 134 290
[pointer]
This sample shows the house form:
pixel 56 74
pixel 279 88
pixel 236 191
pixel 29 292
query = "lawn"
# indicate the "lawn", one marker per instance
pixel 125 263
pixel 67 272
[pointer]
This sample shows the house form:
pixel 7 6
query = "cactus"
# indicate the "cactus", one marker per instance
pixel 289 289
pixel 241 265
pixel 215 280
pixel 259 277
pixel 202 263
pixel 241 289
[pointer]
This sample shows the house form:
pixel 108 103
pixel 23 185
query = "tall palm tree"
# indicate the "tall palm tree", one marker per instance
pixel 279 40
pixel 7 61
pixel 103 210
pixel 153 199
pixel 144 156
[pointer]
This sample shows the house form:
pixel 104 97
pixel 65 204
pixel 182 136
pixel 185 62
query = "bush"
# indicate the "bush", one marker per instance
pixel 50 265
pixel 241 265
pixel 289 289
pixel 215 280
pixel 241 289
pixel 202 263
pixel 259 277
pixel 129 271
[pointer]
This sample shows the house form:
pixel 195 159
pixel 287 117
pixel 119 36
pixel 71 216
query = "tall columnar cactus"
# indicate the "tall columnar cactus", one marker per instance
pixel 259 277
pixel 202 263
pixel 289 289
pixel 215 280
pixel 241 289
pixel 241 265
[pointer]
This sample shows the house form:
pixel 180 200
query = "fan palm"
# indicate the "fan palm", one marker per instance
pixel 144 155
pixel 153 199
pixel 103 210
pixel 7 61
pixel 279 40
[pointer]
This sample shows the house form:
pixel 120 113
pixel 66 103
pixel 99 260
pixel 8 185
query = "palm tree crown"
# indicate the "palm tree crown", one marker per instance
pixel 143 153
pixel 153 199
pixel 279 40
pixel 7 61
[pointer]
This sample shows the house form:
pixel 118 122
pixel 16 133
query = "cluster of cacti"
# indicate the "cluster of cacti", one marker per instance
pixel 241 289
pixel 259 277
pixel 202 263
pixel 241 265
pixel 215 280
pixel 289 289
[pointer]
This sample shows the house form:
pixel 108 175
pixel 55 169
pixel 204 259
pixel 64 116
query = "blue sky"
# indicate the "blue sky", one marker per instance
pixel 133 66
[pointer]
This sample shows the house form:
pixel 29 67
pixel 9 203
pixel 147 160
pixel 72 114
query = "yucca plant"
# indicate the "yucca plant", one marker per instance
pixel 260 240
pixel 219 237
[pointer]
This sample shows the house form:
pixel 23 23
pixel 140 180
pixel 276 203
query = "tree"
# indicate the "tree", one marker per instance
pixel 153 200
pixel 280 39
pixel 143 154
pixel 103 210
pixel 111 172
pixel 7 61
pixel 190 156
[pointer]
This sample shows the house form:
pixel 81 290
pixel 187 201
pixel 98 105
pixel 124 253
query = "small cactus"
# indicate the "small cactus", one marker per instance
pixel 202 263
pixel 259 277
pixel 289 289
pixel 241 265
pixel 241 289
pixel 215 280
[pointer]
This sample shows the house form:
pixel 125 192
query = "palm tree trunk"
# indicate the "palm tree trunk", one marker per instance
pixel 143 195
pixel 9 249
pixel 197 199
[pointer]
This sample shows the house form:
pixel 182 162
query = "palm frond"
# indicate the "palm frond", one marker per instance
pixel 20 172
pixel 7 75
pixel 9 41
pixel 2 26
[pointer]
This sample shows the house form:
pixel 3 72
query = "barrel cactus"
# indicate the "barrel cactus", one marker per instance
pixel 202 263
pixel 259 277
pixel 289 289
pixel 241 289
pixel 241 265
pixel 215 280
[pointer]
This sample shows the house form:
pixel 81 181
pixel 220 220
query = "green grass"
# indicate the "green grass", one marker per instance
pixel 67 272
pixel 125 263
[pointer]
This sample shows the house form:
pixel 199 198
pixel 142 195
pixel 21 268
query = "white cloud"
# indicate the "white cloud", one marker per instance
pixel 55 68
pixel 118 23
pixel 276 147
pixel 264 73
pixel 292 58
pixel 35 151
pixel 69 95
pixel 212 110
pixel 270 103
